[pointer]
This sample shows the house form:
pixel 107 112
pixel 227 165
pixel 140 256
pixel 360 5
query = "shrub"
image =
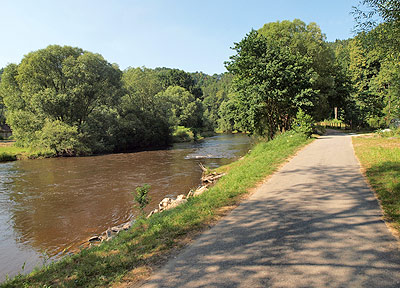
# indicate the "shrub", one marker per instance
pixel 142 197
pixel 303 123
pixel 61 138
pixel 182 134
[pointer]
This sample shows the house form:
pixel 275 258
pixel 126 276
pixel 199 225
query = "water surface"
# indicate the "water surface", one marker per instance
pixel 48 206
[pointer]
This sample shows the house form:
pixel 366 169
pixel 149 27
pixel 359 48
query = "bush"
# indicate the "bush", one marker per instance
pixel 142 197
pixel 182 134
pixel 61 138
pixel 395 132
pixel 377 122
pixel 4 156
pixel 303 123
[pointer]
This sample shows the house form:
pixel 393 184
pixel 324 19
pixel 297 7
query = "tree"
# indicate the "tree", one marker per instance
pixel 308 41
pixel 64 84
pixel 271 83
pixel 215 91
pixel 2 110
pixel 176 77
pixel 380 19
pixel 185 109
pixel 143 117
pixel 227 115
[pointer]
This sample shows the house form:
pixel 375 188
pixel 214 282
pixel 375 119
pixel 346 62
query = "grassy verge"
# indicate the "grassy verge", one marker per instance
pixel 9 152
pixel 380 157
pixel 131 253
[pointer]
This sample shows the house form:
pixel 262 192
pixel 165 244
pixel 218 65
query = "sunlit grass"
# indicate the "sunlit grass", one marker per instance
pixel 9 152
pixel 130 253
pixel 380 157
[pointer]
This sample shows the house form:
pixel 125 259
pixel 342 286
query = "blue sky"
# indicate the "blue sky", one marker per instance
pixel 189 35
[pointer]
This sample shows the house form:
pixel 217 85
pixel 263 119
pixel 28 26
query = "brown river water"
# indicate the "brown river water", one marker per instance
pixel 48 206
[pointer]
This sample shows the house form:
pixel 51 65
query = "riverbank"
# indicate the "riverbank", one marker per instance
pixel 10 152
pixel 132 253
pixel 379 155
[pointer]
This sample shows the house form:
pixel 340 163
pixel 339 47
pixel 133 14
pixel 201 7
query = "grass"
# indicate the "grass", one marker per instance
pixel 10 152
pixel 132 253
pixel 380 157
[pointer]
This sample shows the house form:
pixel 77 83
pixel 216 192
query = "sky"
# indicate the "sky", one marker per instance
pixel 184 34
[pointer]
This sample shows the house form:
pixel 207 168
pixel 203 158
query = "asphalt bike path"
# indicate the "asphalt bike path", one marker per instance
pixel 314 223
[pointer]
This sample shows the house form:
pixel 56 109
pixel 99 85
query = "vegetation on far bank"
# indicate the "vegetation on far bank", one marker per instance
pixel 149 240
pixel 379 155
pixel 73 102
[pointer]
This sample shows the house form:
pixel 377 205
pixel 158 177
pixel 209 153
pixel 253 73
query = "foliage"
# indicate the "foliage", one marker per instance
pixel 61 138
pixel 149 240
pixel 375 80
pixel 141 197
pixel 303 123
pixel 185 109
pixel 62 84
pixel 308 41
pixel 176 77
pixel 227 115
pixel 215 91
pixel 385 13
pixel 143 118
pixel 182 134
pixel 270 84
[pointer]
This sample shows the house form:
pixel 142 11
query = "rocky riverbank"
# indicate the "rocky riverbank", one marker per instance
pixel 207 180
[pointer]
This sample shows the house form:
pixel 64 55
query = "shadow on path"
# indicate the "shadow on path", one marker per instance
pixel 312 224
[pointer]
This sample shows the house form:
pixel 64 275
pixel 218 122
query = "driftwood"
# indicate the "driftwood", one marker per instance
pixel 209 178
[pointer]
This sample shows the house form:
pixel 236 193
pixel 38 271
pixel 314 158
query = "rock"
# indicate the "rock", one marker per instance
pixel 126 226
pixel 95 239
pixel 180 197
pixel 153 212
pixel 164 203
pixel 200 190
pixel 108 234
pixel 176 203
pixel 116 229
pixel 190 194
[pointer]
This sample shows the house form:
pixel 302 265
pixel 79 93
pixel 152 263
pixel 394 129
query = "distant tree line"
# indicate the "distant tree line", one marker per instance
pixel 74 102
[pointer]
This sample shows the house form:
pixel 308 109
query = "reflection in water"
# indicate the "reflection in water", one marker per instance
pixel 48 205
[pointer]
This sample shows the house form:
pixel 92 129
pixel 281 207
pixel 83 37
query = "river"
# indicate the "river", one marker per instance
pixel 49 205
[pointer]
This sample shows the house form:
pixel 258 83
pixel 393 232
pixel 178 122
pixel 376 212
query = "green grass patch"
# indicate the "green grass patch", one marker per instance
pixel 149 239
pixel 380 157
pixel 10 152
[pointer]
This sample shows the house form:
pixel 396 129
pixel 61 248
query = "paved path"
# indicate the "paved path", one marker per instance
pixel 315 223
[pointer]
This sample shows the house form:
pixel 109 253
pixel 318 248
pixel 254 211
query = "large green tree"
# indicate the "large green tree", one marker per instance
pixel 143 117
pixel 185 109
pixel 271 83
pixel 175 77
pixel 308 41
pixel 66 86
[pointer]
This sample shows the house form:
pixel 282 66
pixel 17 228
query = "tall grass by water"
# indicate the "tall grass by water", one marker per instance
pixel 132 254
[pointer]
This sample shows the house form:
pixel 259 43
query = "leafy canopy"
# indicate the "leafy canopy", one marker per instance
pixel 271 83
